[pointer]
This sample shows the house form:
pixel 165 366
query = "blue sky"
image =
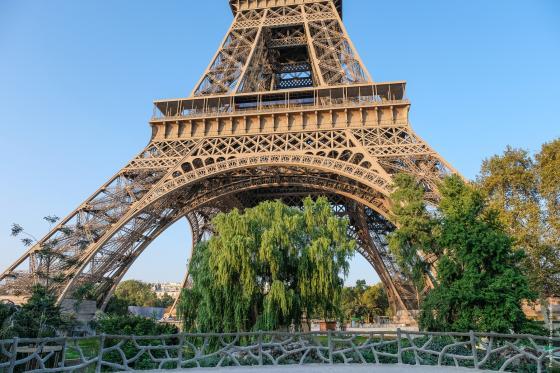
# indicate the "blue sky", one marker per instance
pixel 77 79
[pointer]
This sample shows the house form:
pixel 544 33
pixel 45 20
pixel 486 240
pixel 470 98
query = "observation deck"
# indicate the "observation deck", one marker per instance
pixel 389 93
pixel 309 109
pixel 240 5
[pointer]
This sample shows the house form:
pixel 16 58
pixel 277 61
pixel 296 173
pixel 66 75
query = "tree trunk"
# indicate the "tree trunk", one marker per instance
pixel 545 313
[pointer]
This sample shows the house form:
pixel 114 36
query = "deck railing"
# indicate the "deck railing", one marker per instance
pixel 179 113
pixel 499 352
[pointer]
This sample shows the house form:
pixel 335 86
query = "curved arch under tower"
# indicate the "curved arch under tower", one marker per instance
pixel 285 109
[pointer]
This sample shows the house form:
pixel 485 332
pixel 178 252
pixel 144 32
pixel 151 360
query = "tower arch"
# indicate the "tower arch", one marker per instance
pixel 285 104
pixel 350 198
pixel 162 203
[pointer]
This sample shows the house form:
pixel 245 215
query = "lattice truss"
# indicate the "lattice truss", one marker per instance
pixel 281 48
pixel 196 177
pixel 169 180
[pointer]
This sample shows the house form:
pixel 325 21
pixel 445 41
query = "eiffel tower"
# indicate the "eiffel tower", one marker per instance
pixel 286 109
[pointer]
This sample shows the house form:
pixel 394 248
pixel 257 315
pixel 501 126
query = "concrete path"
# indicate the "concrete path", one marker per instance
pixel 330 369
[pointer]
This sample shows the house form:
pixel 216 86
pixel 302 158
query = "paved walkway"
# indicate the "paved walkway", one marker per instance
pixel 330 369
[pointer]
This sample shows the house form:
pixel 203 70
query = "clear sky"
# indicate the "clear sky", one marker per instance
pixel 77 79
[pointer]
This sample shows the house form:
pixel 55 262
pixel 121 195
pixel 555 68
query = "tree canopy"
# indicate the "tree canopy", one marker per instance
pixel 364 302
pixel 525 191
pixel 6 311
pixel 416 230
pixel 132 325
pixel 479 285
pixel 39 317
pixel 267 268
pixel 135 293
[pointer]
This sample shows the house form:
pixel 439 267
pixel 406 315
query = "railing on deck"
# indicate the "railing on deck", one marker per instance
pixel 519 353
pixel 177 112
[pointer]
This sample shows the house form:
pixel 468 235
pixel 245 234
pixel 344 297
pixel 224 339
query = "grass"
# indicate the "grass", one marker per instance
pixel 90 349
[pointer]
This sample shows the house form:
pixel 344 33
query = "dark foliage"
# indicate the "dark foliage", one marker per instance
pixel 132 325
pixel 479 284
pixel 39 317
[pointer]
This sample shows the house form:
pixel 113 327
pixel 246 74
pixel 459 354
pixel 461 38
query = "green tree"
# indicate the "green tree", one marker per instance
pixel 117 306
pixel 39 317
pixel 46 252
pixel 165 301
pixel 361 286
pixel 548 169
pixel 479 285
pixel 375 302
pixel 414 242
pixel 352 306
pixel 268 268
pixel 364 302
pixel 136 293
pixel 526 193
pixel 7 309
pixel 138 326
pixel 132 325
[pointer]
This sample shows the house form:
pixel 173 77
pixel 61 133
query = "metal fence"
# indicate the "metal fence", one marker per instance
pixel 500 352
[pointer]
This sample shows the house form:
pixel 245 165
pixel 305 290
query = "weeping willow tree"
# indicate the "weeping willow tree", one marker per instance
pixel 268 268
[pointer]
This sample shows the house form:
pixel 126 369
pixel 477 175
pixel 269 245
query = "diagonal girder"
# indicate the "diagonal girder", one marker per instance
pixel 285 109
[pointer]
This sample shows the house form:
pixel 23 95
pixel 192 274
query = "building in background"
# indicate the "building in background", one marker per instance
pixel 171 288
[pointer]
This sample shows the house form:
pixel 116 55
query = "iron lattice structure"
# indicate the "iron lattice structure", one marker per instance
pixel 285 109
